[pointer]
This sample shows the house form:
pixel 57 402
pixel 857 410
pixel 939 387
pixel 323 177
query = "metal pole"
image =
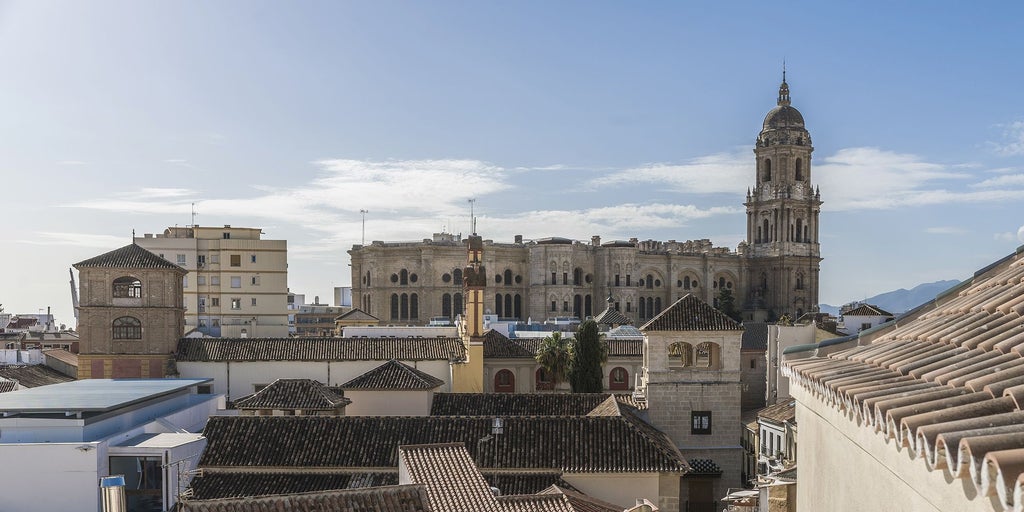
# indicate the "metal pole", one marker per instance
pixel 364 212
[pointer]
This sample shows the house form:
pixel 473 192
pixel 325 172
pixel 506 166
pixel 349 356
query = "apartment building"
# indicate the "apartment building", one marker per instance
pixel 237 283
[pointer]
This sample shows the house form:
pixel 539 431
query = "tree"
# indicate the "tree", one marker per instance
pixel 727 305
pixel 554 355
pixel 588 355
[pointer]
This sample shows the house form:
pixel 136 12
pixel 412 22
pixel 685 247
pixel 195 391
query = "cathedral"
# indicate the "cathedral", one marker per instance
pixel 774 272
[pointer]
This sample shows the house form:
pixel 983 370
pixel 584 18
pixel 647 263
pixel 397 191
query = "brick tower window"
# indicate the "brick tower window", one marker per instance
pixel 127 328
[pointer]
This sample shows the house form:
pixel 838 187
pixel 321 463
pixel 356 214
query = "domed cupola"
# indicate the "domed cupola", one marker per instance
pixel 784 124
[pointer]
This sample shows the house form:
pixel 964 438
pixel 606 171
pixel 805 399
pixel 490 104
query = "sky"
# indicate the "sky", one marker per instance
pixel 569 118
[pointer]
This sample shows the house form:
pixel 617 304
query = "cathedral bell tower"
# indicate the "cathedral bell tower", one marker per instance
pixel 782 217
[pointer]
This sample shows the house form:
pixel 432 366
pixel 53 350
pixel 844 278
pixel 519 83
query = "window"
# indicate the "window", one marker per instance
pixel 226 235
pixel 446 278
pixel 236 281
pixel 767 169
pixel 126 328
pixel 215 302
pixel 143 478
pixel 629 306
pixel 799 170
pixel 457 276
pixel 617 280
pixel 215 258
pixel 254 301
pixel 236 260
pixel 618 379
pixel 236 303
pixel 184 281
pixel 565 278
pixel 252 258
pixel 255 281
pixel 753 364
pixel 504 382
pixel 627 279
pixel 127 287
pixel 680 355
pixel 201 260
pixel 554 278
pixel 554 306
pixel 201 280
pixel 700 423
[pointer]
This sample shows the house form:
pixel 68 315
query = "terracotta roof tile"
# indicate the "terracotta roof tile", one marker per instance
pixel 399 498
pixel 516 404
pixel 34 375
pixel 581 502
pixel 948 381
pixel 217 485
pixel 536 503
pixel 129 256
pixel 603 444
pixel 691 314
pixel 867 310
pixel 319 349
pixel 755 336
pixel 6 386
pixel 780 413
pixel 450 476
pixel 525 483
pixel 304 394
pixel 612 317
pixel 396 376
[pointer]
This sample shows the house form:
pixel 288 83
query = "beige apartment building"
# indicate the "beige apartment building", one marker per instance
pixel 237 283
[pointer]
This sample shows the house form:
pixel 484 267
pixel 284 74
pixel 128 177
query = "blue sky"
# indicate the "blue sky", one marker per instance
pixel 561 119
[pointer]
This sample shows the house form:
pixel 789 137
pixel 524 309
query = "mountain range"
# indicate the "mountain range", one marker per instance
pixel 902 300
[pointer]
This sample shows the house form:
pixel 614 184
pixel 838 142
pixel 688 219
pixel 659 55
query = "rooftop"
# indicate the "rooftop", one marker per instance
pixel 34 375
pixel 294 394
pixel 91 395
pixel 394 375
pixel 129 256
pixel 691 314
pixel 398 498
pixel 319 349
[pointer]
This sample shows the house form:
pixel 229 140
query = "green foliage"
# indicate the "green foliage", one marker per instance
pixel 589 353
pixel 554 355
pixel 727 304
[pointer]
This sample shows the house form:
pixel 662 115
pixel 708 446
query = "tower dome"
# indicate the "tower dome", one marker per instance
pixel 784 124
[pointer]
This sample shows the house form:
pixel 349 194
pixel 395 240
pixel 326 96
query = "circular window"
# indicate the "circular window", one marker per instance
pixel 413 278
pixel 519 279
pixel 679 284
pixel 446 278
pixel 589 278
pixel 394 278
pixel 497 278
pixel 693 283
pixel 728 285
pixel 657 283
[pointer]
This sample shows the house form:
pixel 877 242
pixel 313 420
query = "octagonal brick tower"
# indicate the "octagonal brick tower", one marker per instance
pixel 782 217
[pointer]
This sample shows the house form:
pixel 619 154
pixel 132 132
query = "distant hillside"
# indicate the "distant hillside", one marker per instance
pixel 902 300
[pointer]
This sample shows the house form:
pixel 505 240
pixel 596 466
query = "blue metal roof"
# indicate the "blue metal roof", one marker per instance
pixel 91 395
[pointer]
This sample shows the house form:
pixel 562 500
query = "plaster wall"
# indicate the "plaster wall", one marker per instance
pixel 73 473
pixel 619 488
pixel 845 466
pixel 388 403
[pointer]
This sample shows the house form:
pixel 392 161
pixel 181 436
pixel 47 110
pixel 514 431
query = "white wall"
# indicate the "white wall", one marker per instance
pixel 13 356
pixel 388 403
pixel 51 476
pixel 619 488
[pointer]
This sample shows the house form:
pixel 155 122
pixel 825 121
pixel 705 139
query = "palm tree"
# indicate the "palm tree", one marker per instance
pixel 554 356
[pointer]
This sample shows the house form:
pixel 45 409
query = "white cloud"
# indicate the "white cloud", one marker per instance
pixel 161 193
pixel 1006 180
pixel 79 240
pixel 1013 139
pixel 711 174
pixel 946 230
pixel 71 162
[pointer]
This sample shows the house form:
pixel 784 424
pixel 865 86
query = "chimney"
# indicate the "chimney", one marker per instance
pixel 112 493
pixel 595 240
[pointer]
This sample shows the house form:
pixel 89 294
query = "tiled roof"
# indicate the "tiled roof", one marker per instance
pixel 612 317
pixel 399 498
pixel 600 444
pixel 525 483
pixel 867 310
pixel 755 336
pixel 450 476
pixel 581 502
pixel 319 349
pixel 516 404
pixel 394 375
pixel 6 386
pixel 497 346
pixel 536 503
pixel 947 381
pixel 704 467
pixel 129 256
pixel 357 314
pixel 782 412
pixel 34 375
pixel 691 314
pixel 63 356
pixel 217 485
pixel 304 394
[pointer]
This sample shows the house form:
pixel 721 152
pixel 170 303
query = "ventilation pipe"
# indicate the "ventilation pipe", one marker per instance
pixel 112 491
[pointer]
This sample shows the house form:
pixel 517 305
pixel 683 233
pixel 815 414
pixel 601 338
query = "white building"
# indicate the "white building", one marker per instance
pixel 70 435
pixel 237 283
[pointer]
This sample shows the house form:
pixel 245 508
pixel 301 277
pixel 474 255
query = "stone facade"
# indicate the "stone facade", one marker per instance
pixel 131 314
pixel 774 272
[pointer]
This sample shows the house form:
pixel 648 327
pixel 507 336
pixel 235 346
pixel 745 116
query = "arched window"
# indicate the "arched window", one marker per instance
pixel 766 236
pixel 649 281
pixel 127 287
pixel 497 304
pixel 577 276
pixel 394 306
pixel 414 306
pixel 403 277
pixel 457 304
pixel 588 306
pixel 650 307
pixel 508 304
pixel 508 277
pixel 446 305
pixel 577 305
pixel 405 306
pixel 643 308
pixel 706 356
pixel 367 278
pixel 686 283
pixel 126 328
pixel 657 305
pixel 799 170
pixel 504 382
pixel 799 230
pixel 543 380
pixel 457 276
pixel 618 379
pixel 680 355
pixel 767 169
pixel 519 306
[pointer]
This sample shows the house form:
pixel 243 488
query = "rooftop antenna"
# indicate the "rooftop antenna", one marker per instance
pixel 364 212
pixel 133 235
pixel 194 215
pixel 783 70
pixel 472 216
